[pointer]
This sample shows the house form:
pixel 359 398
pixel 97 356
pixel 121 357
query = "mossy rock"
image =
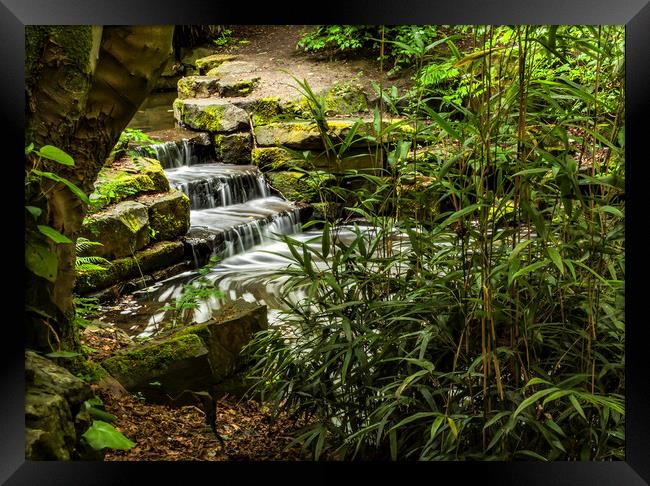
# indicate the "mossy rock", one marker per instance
pixel 306 135
pixel 340 99
pixel 193 358
pixel 278 159
pixel 272 158
pixel 169 214
pixel 127 178
pixel 162 361
pixel 292 185
pixel 210 115
pixel 198 87
pixel 234 148
pixel 159 255
pixel 205 64
pixel 121 228
pixel 227 333
pixel 54 415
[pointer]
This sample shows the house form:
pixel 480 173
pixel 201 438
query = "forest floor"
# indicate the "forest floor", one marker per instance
pixel 164 433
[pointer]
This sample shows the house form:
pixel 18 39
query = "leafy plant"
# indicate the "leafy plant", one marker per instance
pixel 191 296
pixel 224 39
pixel 134 143
pixel 84 263
pixel 493 328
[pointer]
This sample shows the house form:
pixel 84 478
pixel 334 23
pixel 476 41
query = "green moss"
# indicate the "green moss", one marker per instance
pixel 156 256
pixel 155 357
pixel 271 158
pixel 200 330
pixel 114 185
pixel 218 143
pixel 89 371
pixel 185 89
pixel 293 185
pixel 170 217
pixel 266 110
pixel 209 118
pixel 211 63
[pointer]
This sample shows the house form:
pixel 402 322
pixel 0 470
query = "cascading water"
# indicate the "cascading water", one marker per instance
pixel 232 211
pixel 212 185
pixel 174 154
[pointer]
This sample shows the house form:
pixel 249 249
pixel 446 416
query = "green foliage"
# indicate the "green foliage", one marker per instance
pixel 492 328
pixel 84 263
pixel 191 295
pixel 39 258
pixel 134 143
pixel 224 39
pixel 102 435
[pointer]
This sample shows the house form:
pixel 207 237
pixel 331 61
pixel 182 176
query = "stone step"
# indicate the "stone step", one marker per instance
pixel 213 115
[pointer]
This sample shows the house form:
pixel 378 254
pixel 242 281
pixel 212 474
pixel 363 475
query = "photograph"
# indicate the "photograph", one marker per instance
pixel 327 244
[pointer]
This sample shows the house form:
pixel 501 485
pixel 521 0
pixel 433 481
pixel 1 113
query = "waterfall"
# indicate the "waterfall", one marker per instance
pixel 214 185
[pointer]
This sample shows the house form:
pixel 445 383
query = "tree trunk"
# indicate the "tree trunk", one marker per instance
pixel 83 86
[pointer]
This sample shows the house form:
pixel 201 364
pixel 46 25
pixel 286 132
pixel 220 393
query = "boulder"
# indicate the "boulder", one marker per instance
pixel 274 158
pixel 210 115
pixel 277 159
pixel 169 214
pixel 55 418
pixel 159 255
pixel 234 148
pixel 194 358
pixel 122 229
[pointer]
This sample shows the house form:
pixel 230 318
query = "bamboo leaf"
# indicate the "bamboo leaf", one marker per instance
pixel 75 190
pixel 532 399
pixel 444 124
pixel 62 354
pixel 577 406
pixel 555 257
pixel 528 269
pixel 412 418
pixel 435 426
pixel 392 437
pixel 452 427
pixel 53 234
pixel 55 154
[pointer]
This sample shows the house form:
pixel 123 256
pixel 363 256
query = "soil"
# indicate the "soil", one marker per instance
pixel 249 428
pixel 272 49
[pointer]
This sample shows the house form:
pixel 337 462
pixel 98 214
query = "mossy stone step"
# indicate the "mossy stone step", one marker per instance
pixel 159 255
pixel 122 228
pixel 169 214
pixel 127 178
pixel 210 115
pixel 205 64
pixel 194 358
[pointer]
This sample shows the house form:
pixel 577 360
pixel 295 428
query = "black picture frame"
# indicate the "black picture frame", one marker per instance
pixel 635 14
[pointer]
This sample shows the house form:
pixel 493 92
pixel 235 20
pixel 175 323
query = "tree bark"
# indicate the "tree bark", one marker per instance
pixel 83 86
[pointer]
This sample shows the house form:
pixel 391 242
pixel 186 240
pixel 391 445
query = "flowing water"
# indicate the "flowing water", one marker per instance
pixel 233 217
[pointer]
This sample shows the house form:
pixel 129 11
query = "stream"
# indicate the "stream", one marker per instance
pixel 234 217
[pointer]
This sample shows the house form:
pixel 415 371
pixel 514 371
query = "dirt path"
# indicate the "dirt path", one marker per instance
pixel 272 49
